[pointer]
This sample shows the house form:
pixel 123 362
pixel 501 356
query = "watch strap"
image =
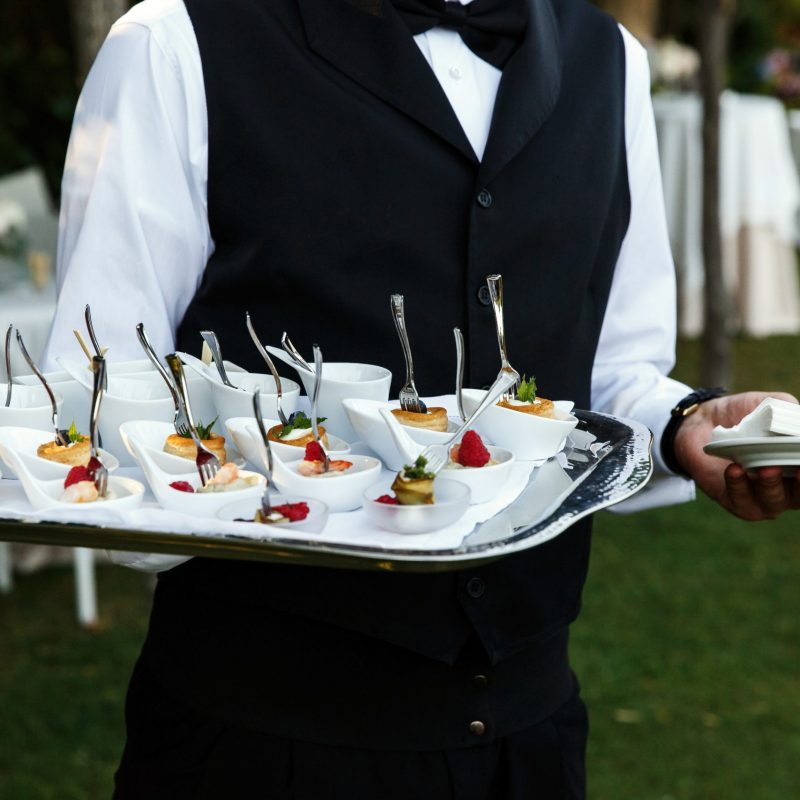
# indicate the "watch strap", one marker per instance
pixel 684 408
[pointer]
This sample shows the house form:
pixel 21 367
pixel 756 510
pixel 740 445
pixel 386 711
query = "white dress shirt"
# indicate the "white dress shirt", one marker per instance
pixel 134 234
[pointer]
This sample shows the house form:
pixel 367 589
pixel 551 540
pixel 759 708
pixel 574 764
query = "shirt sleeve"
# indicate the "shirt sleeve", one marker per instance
pixel 133 234
pixel 636 351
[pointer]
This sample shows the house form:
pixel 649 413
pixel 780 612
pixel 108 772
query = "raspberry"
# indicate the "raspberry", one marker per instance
pixel 182 486
pixel 76 475
pixel 294 512
pixel 314 452
pixel 473 452
pixel 388 499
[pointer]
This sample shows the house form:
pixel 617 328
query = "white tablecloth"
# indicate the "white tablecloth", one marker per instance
pixel 760 198
pixel 31 311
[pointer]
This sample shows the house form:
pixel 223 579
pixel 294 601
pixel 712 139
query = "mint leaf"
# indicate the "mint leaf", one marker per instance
pixel 73 435
pixel 298 421
pixel 203 431
pixel 527 390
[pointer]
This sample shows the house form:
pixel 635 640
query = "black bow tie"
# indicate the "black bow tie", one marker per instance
pixel 492 29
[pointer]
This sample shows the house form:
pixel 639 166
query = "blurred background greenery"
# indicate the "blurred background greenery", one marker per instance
pixel 689 644
pixel 40 80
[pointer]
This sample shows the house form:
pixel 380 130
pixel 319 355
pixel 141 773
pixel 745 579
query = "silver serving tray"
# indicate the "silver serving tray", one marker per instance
pixel 606 461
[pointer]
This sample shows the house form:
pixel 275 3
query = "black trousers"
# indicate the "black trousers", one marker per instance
pixel 174 752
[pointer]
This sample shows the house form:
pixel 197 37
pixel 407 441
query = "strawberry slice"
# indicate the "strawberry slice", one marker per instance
pixel 76 475
pixel 183 486
pixel 294 512
pixel 314 452
pixel 388 499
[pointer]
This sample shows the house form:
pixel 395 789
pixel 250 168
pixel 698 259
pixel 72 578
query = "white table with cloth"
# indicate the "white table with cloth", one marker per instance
pixel 760 198
pixel 31 311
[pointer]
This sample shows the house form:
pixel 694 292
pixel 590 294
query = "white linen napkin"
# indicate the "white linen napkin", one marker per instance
pixel 771 418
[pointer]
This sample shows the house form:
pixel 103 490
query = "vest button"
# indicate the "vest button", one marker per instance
pixel 480 681
pixel 484 198
pixel 477 728
pixel 484 296
pixel 475 588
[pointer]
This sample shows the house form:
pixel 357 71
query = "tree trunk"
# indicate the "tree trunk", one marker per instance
pixel 640 17
pixel 91 20
pixel 715 22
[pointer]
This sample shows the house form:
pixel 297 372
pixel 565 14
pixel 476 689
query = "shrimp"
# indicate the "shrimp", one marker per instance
pixel 311 468
pixel 227 473
pixel 81 492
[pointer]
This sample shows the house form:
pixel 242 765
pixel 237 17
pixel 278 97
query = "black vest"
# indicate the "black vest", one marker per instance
pixel 338 174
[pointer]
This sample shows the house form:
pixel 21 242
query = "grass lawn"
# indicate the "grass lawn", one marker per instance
pixel 688 650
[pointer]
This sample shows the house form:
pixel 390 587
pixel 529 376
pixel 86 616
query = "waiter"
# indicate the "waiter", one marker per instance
pixel 304 159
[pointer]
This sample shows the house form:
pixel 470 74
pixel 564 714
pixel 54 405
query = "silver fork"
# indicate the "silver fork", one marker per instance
pixel 460 361
pixel 206 462
pixel 179 420
pixel 266 505
pixel 210 338
pixel 8 365
pixel 495 284
pixel 96 467
pixel 409 397
pixel 265 355
pixel 437 454
pixel 87 315
pixel 326 465
pixel 62 437
pixel 294 353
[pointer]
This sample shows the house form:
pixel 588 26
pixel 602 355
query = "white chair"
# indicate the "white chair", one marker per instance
pixel 29 189
pixel 85 583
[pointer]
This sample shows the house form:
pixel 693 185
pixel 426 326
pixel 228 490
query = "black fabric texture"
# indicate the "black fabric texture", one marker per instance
pixel 174 752
pixel 339 174
pixel 492 29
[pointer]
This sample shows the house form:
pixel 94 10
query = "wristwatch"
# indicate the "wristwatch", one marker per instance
pixel 685 407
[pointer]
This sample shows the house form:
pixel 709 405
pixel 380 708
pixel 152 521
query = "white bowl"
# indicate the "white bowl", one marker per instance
pixel 340 491
pixel 192 503
pixel 75 406
pixel 341 379
pixel 152 435
pixel 239 402
pixel 126 493
pixel 199 391
pixel 452 499
pixel 138 395
pixel 487 482
pixel 529 437
pixel 25 441
pixel 246 510
pixel 30 407
pixel 370 427
pixel 247 438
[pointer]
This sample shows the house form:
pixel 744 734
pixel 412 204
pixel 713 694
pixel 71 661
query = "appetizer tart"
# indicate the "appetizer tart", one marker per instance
pixel 227 479
pixel 181 443
pixel 471 453
pixel 434 420
pixel 413 485
pixel 298 432
pixel 75 454
pixel 527 402
pixel 313 463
